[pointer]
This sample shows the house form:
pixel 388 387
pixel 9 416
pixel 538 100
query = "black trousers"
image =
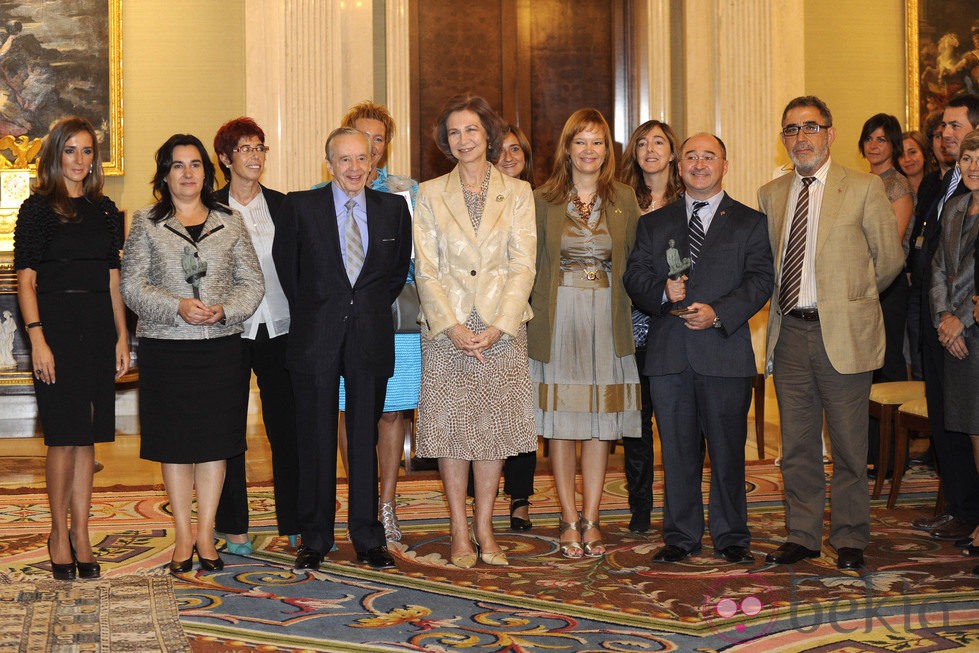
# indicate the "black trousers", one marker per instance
pixel 266 357
pixel 953 450
pixel 518 475
pixel 689 405
pixel 638 452
pixel 317 409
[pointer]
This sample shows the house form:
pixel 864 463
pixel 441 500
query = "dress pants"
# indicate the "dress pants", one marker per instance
pixel 266 357
pixel 638 452
pixel 953 450
pixel 518 474
pixel 806 384
pixel 689 406
pixel 317 409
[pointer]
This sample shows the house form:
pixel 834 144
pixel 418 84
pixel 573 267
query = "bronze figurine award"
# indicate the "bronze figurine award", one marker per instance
pixel 194 269
pixel 678 267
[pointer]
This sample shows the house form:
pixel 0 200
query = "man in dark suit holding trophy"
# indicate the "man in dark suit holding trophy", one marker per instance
pixel 701 362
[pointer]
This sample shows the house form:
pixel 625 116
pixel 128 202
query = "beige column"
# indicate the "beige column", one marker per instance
pixel 300 76
pixel 742 61
pixel 398 84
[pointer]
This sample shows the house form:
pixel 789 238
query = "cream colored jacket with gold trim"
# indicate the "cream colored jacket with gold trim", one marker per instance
pixel 457 268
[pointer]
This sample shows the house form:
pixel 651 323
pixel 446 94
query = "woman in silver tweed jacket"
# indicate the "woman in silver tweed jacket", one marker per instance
pixel 190 273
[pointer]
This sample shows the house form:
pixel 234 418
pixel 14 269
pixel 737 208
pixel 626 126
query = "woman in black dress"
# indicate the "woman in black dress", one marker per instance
pixel 190 273
pixel 66 252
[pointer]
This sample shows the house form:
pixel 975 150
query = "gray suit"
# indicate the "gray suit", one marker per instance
pixel 953 283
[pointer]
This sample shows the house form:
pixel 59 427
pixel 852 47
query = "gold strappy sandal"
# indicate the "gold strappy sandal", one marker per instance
pixel 592 548
pixel 571 550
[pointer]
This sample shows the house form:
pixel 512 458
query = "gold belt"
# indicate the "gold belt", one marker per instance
pixel 585 278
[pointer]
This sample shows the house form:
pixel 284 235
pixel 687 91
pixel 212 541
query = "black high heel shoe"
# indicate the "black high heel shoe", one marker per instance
pixel 85 569
pixel 208 564
pixel 183 566
pixel 61 572
pixel 519 523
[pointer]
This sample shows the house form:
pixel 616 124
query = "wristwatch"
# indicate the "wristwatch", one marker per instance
pixel 717 322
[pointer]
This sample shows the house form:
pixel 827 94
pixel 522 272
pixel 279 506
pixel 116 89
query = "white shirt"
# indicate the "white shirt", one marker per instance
pixel 706 213
pixel 807 292
pixel 273 312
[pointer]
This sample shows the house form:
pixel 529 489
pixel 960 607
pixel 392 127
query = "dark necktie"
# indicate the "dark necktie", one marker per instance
pixel 696 233
pixel 795 253
pixel 355 244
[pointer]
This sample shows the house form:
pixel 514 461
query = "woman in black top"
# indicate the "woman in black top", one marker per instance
pixel 66 252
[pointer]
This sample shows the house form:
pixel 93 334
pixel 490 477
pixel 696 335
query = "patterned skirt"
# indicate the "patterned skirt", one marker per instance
pixel 586 391
pixel 475 411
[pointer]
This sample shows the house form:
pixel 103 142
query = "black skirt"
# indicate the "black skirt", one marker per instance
pixel 78 409
pixel 193 399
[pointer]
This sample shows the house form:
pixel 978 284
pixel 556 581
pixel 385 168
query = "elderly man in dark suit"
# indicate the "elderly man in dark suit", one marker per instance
pixel 700 362
pixel 342 254
pixel 834 238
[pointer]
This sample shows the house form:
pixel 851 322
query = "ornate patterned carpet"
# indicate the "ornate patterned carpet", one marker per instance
pixel 916 595
pixel 127 613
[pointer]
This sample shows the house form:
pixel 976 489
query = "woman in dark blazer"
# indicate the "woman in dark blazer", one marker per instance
pixel 954 313
pixel 240 147
pixel 581 342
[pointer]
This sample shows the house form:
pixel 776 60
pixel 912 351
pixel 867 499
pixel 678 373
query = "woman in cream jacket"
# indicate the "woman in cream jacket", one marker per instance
pixel 475 242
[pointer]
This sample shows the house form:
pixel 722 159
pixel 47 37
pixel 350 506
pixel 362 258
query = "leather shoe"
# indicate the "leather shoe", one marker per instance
pixel 671 553
pixel 519 524
pixel 210 564
pixel 639 523
pixel 790 553
pixel 954 529
pixel 736 554
pixel 377 558
pixel 308 559
pixel 928 524
pixel 849 558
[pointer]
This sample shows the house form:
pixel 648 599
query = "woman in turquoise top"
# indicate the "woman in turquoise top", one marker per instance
pixel 402 391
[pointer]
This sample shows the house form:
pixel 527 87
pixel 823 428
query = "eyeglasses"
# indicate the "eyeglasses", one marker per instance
pixel 809 128
pixel 709 157
pixel 247 149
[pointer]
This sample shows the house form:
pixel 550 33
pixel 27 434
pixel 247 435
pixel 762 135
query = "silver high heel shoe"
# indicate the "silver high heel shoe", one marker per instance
pixel 392 532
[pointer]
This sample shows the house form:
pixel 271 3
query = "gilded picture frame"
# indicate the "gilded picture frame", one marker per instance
pixel 942 53
pixel 61 58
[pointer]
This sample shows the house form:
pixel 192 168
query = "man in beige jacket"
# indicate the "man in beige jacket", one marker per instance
pixel 835 244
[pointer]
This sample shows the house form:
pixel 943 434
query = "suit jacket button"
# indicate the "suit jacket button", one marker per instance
pixel 472 273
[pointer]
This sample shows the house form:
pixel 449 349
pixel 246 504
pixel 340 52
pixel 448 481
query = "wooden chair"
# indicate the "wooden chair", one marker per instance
pixel 912 417
pixel 885 398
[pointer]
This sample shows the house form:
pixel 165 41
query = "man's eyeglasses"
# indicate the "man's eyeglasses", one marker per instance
pixel 709 157
pixel 808 128
pixel 247 149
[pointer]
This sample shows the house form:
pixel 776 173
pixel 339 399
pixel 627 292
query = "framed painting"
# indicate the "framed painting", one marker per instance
pixel 59 58
pixel 943 54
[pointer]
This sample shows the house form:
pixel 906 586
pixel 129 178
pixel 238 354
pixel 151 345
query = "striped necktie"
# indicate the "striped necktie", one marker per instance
pixel 355 244
pixel 795 253
pixel 696 233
